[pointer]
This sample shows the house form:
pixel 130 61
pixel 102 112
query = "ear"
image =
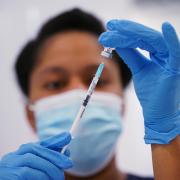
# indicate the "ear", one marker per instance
pixel 30 118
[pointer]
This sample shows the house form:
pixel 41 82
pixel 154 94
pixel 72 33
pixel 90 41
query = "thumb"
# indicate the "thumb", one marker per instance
pixel 56 142
pixel 173 44
pixel 133 58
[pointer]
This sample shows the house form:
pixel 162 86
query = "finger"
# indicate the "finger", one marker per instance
pixel 139 31
pixel 67 152
pixel 31 173
pixel 7 173
pixel 114 39
pixel 132 26
pixel 125 47
pixel 56 158
pixel 6 156
pixel 35 162
pixel 134 60
pixel 173 44
pixel 57 142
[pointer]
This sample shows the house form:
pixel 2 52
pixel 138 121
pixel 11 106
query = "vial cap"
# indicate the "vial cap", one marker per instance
pixel 106 54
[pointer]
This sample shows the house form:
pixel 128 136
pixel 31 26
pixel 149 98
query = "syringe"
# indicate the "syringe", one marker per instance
pixel 107 53
pixel 86 99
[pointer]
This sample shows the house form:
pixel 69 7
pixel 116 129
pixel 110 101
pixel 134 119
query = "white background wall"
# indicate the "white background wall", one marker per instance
pixel 20 20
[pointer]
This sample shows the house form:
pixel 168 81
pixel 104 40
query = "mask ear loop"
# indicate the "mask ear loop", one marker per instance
pixel 27 103
pixel 30 106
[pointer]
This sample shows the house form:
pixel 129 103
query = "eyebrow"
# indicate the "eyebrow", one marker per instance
pixel 53 70
pixel 93 68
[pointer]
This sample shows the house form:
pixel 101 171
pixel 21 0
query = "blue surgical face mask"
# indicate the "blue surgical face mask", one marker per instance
pixel 93 147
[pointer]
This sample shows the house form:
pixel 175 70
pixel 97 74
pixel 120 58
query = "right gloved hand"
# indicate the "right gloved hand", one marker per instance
pixel 40 161
pixel 156 79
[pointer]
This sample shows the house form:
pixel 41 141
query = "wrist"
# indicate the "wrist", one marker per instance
pixel 162 131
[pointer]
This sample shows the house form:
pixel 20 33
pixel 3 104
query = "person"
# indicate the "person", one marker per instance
pixel 55 69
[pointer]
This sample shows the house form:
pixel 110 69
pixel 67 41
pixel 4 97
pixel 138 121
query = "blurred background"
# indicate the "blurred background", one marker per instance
pixel 20 21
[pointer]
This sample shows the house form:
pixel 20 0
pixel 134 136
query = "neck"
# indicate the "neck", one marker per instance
pixel 109 172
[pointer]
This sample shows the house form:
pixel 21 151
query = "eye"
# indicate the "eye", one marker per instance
pixel 54 85
pixel 102 82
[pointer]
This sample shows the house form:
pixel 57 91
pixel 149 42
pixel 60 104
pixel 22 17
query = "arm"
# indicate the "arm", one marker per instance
pixel 166 161
pixel 157 86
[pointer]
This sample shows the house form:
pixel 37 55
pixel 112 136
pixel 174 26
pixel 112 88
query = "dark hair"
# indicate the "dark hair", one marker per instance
pixel 74 19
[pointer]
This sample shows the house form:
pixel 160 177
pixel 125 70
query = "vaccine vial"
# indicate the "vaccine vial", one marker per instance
pixel 107 52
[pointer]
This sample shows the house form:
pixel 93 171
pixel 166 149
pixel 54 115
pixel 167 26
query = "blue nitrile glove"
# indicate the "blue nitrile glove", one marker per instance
pixel 40 161
pixel 156 80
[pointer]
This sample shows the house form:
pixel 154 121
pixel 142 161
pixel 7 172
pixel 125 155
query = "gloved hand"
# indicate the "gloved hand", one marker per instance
pixel 156 79
pixel 40 161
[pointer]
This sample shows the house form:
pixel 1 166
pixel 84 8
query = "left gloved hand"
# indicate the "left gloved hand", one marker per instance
pixel 156 80
pixel 40 161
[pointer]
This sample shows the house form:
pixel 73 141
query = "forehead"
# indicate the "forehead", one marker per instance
pixel 70 48
pixel 70 55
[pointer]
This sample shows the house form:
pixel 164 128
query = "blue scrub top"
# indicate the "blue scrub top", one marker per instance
pixel 132 177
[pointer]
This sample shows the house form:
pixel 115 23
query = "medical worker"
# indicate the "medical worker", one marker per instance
pixel 54 71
